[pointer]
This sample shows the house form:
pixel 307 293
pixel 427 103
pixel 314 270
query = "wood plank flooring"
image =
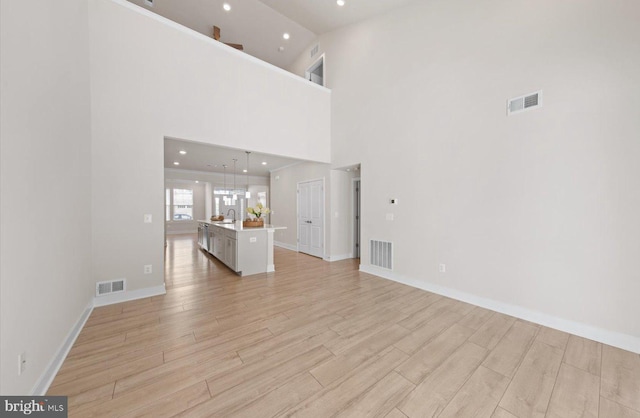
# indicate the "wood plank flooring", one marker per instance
pixel 318 339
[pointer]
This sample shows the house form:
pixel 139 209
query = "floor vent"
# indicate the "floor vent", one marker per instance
pixel 381 254
pixel 526 102
pixel 113 286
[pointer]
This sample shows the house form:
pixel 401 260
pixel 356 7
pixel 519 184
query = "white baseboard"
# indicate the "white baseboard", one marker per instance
pixel 339 257
pixel 43 383
pixel 41 387
pixel 181 232
pixel 286 246
pixel 615 339
pixel 129 295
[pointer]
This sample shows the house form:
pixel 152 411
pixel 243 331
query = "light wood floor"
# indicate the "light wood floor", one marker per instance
pixel 320 339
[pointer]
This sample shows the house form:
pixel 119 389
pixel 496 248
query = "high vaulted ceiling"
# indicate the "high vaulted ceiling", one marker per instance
pixel 260 24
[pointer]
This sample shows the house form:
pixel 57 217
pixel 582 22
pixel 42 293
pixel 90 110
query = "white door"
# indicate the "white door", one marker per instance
pixel 311 218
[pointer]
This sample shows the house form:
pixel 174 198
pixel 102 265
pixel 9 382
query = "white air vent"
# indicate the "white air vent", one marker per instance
pixel 113 286
pixel 381 254
pixel 526 102
pixel 148 3
pixel 314 50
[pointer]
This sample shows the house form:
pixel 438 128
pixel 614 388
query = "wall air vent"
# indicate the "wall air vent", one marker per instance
pixel 113 286
pixel 381 254
pixel 314 51
pixel 526 102
pixel 148 3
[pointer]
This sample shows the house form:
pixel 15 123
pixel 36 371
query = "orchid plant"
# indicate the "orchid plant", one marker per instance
pixel 258 210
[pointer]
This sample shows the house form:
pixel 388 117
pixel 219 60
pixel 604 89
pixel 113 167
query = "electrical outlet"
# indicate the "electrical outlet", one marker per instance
pixel 253 239
pixel 22 362
pixel 148 218
pixel 442 268
pixel 148 269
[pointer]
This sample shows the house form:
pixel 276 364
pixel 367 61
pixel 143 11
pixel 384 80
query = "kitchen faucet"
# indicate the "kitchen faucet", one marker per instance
pixel 234 214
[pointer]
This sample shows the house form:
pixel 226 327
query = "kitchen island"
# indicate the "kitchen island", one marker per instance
pixel 244 250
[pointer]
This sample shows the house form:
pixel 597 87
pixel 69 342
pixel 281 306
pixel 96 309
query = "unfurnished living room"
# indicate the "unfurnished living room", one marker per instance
pixel 360 208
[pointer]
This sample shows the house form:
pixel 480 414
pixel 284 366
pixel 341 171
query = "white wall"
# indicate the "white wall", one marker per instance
pixel 152 78
pixel 284 200
pixel 341 213
pixel 338 206
pixel 45 214
pixel 537 212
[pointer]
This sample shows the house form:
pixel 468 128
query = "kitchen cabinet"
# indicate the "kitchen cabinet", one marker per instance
pixel 244 250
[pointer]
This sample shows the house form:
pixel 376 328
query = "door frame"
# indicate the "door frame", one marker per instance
pixel 324 215
pixel 314 65
pixel 356 211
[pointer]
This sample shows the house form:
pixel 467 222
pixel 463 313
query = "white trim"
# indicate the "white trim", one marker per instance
pixel 285 246
pixel 45 380
pixel 353 215
pixel 339 257
pixel 284 167
pixel 129 295
pixel 211 174
pixel 616 339
pixel 191 32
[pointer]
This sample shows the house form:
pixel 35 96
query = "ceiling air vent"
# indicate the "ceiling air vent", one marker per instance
pixel 314 50
pixel 113 286
pixel 526 102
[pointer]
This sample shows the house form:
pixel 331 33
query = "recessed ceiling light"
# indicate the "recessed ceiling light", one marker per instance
pixel 340 2
pixel 244 170
pixel 176 163
pixel 226 6
pixel 286 35
pixel 264 163
pixel 183 152
pixel 280 48
pixel 197 181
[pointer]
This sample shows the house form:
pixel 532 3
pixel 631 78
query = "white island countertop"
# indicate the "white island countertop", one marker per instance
pixel 237 226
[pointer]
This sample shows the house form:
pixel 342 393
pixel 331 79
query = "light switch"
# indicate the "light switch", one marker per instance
pixel 147 218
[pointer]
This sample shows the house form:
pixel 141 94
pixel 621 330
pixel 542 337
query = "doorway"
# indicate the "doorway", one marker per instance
pixel 315 72
pixel 311 218
pixel 356 218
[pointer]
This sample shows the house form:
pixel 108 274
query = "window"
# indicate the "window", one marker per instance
pixel 167 205
pixel 223 205
pixel 178 204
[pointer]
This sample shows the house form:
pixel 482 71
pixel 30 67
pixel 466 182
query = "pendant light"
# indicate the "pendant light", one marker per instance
pixel 235 196
pixel 248 193
pixel 224 192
